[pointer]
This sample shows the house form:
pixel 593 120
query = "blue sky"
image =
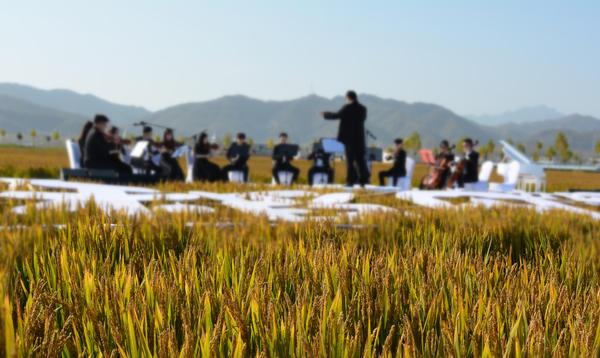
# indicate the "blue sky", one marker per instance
pixel 471 56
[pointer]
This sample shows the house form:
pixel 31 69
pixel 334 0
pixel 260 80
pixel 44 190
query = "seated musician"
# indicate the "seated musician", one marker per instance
pixel 97 146
pixel 117 151
pixel 87 127
pixel 147 164
pixel 471 163
pixel 237 154
pixel 204 169
pixel 440 171
pixel 282 161
pixel 168 164
pixel 321 164
pixel 398 169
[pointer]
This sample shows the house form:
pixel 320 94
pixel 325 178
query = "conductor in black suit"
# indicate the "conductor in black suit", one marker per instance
pixel 351 133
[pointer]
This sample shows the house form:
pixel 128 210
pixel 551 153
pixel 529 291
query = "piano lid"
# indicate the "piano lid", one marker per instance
pixel 528 166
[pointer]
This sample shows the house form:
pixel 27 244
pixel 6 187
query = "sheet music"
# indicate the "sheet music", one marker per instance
pixel 182 150
pixel 139 149
pixel 332 146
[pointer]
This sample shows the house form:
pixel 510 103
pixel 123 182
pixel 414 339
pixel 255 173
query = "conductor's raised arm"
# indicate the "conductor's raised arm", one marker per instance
pixel 333 115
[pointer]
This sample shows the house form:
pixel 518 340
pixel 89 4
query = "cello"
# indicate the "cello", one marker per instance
pixel 459 169
pixel 436 178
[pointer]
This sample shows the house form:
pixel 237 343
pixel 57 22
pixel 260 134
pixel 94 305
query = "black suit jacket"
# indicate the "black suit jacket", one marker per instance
pixel 400 163
pixel 352 118
pixel 238 155
pixel 471 167
pixel 97 149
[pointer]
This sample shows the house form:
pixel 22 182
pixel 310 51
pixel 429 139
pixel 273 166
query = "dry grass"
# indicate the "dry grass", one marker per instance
pixel 433 283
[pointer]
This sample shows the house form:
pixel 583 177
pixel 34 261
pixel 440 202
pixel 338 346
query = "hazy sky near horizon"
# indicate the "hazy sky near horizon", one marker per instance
pixel 470 56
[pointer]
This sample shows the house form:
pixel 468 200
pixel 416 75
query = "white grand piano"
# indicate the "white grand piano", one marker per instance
pixel 531 175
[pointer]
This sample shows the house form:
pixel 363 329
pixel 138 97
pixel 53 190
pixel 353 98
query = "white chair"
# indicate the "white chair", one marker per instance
pixel 74 153
pixel 236 176
pixel 189 161
pixel 320 179
pixel 510 172
pixel 285 177
pixel 405 182
pixel 484 178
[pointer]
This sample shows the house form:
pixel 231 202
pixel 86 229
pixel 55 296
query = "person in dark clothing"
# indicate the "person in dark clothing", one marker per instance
pixel 170 169
pixel 204 169
pixel 351 133
pixel 471 164
pixel 87 127
pixel 147 163
pixel 97 147
pixel 281 161
pixel 398 169
pixel 321 164
pixel 237 154
pixel 117 151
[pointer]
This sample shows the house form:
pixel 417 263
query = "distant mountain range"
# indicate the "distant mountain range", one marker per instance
pixel 23 108
pixel 521 115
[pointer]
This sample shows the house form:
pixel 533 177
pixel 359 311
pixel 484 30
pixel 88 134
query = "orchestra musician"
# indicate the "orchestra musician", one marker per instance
pixel 148 164
pixel 97 146
pixel 237 154
pixel 169 165
pixel 470 162
pixel 87 127
pixel 398 169
pixel 440 171
pixel 204 169
pixel 351 133
pixel 281 161
pixel 117 151
pixel 321 164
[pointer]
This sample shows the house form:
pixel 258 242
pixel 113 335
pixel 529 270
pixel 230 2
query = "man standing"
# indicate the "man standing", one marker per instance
pixel 97 147
pixel 351 133
pixel 282 159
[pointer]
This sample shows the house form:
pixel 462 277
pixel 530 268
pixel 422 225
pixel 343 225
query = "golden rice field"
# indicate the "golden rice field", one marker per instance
pixel 415 282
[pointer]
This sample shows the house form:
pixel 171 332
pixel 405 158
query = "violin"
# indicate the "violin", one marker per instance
pixel 435 179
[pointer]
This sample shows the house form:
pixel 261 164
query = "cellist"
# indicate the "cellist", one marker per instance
pixel 438 175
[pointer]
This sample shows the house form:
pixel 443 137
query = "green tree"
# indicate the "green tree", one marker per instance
pixel 33 135
pixel 550 153
pixel 521 148
pixel 597 148
pixel 459 147
pixel 226 140
pixel 269 143
pixel 413 142
pixel 491 147
pixel 19 137
pixel 561 144
pixel 2 134
pixel 250 142
pixel 537 151
pixel 56 136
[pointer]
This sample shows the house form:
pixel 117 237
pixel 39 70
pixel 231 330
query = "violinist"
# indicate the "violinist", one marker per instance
pixel 117 151
pixel 470 162
pixel 169 165
pixel 440 171
pixel 97 146
pixel 87 127
pixel 398 170
pixel 204 169
pixel 237 154
pixel 147 163
pixel 282 160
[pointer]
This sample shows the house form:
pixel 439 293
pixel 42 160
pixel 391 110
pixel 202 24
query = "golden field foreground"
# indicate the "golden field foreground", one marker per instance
pixel 415 282
pixel 25 162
